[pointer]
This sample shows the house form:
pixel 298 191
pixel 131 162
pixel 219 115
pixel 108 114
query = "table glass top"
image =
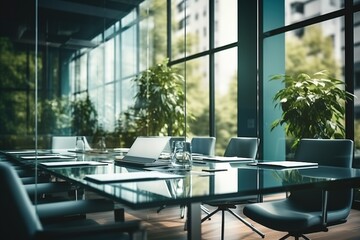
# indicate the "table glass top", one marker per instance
pixel 208 180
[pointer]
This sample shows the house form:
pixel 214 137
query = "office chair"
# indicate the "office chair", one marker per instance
pixel 19 217
pixel 205 146
pixel 61 206
pixel 200 145
pixel 237 147
pixel 301 212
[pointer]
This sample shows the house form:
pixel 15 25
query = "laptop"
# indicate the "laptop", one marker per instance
pixel 146 151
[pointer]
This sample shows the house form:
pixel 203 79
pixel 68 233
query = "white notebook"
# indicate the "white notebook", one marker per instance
pixel 71 163
pixel 131 176
pixel 228 159
pixel 287 164
pixel 33 157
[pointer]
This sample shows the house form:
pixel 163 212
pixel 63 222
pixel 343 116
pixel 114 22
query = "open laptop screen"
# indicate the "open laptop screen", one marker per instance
pixel 146 149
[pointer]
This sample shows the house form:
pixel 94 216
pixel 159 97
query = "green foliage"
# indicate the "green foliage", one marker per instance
pixel 54 116
pixel 126 128
pixel 84 117
pixel 17 101
pixel 313 106
pixel 312 51
pixel 153 31
pixel 289 177
pixel 159 107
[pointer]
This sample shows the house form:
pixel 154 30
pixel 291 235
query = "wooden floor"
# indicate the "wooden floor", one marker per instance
pixel 168 225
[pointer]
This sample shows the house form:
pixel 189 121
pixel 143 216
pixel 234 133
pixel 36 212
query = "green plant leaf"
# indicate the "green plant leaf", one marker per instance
pixel 313 105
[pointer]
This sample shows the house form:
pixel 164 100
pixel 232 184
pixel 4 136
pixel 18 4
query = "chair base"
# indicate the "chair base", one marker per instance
pixel 223 209
pixel 204 209
pixel 297 237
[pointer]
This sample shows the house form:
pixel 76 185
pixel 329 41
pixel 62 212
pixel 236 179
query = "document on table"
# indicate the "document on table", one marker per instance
pixel 121 150
pixel 287 164
pixel 22 152
pixel 72 163
pixel 33 157
pixel 26 152
pixel 131 176
pixel 228 159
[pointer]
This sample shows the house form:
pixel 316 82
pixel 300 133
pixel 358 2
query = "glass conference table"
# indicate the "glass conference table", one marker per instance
pixel 140 188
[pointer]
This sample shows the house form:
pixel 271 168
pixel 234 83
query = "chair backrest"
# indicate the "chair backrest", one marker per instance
pixel 16 208
pixel 326 152
pixel 246 147
pixel 203 145
pixel 329 152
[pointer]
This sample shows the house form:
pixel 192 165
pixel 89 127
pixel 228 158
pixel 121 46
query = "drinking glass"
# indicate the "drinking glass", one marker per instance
pixel 102 144
pixel 181 155
pixel 80 144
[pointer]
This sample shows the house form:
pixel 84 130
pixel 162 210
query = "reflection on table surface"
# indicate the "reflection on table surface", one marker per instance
pixel 207 180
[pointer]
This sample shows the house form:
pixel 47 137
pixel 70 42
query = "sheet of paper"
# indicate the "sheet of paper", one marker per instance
pixel 287 164
pixel 33 157
pixel 131 176
pixel 72 163
pixel 228 159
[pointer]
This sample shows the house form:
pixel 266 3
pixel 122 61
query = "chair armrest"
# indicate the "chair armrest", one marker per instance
pixel 66 208
pixel 47 187
pixel 324 206
pixel 135 229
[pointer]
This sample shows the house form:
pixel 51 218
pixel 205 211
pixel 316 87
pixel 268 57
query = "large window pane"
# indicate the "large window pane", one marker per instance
pixel 315 48
pixel 197 96
pixel 296 11
pixel 128 49
pixel 109 63
pixel 226 27
pixel 225 97
pixel 190 27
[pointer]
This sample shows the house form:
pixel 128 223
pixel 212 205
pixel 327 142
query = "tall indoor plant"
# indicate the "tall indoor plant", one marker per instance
pixel 313 106
pixel 159 104
pixel 84 117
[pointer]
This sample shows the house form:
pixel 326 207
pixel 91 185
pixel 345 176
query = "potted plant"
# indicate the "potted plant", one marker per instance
pixel 313 106
pixel 84 117
pixel 159 107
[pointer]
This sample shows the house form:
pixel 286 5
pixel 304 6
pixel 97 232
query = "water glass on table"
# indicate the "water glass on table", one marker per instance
pixel 181 155
pixel 80 144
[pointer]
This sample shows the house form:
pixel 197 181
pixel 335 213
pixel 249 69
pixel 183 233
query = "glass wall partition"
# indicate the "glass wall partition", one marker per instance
pixel 91 59
pixel 94 58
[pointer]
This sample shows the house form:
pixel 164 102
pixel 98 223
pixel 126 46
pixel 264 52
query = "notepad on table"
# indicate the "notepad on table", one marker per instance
pixel 72 163
pixel 33 157
pixel 228 159
pixel 287 164
pixel 131 176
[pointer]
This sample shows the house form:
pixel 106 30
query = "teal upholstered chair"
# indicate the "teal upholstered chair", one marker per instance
pixel 246 147
pixel 203 145
pixel 52 198
pixel 301 212
pixel 19 218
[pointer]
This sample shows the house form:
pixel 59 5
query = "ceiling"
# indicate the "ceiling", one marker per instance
pixel 62 23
